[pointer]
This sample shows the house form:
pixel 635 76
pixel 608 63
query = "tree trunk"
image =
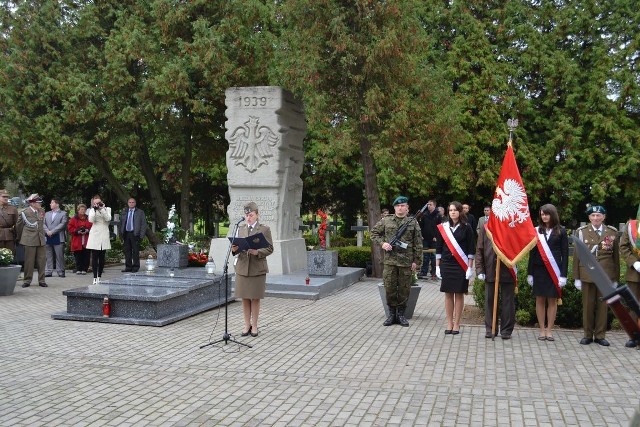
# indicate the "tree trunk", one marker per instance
pixel 373 198
pixel 185 185
pixel 157 201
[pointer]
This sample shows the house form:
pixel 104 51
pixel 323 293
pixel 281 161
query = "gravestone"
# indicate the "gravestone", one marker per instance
pixel 265 129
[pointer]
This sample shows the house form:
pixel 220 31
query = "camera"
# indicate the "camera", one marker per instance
pixel 99 205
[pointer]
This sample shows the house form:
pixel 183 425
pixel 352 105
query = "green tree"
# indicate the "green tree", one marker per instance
pixel 369 95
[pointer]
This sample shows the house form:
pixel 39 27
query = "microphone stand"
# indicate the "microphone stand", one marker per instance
pixel 226 337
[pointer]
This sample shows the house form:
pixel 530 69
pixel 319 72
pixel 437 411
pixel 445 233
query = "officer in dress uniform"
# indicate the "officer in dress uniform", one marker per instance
pixel 8 219
pixel 604 243
pixel 630 254
pixel 399 263
pixel 31 235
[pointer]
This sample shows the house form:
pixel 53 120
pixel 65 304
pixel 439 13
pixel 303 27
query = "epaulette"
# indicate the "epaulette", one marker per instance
pixel 612 228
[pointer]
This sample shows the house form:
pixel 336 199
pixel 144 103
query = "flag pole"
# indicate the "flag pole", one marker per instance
pixel 495 300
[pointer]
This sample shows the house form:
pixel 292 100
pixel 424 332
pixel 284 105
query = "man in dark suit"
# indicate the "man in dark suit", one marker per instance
pixel 55 230
pixel 133 226
pixel 603 241
pixel 30 228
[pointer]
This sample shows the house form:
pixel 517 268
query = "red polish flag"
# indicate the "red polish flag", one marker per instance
pixel 510 227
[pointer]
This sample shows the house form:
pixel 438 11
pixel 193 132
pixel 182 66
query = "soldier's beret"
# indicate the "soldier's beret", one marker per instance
pixel 596 209
pixel 250 207
pixel 400 199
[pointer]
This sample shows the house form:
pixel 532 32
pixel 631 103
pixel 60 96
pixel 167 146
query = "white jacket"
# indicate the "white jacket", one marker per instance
pixel 99 232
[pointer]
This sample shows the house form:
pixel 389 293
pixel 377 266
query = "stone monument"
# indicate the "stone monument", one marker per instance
pixel 265 129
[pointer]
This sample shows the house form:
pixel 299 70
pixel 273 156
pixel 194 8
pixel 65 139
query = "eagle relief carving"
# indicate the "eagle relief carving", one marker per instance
pixel 251 144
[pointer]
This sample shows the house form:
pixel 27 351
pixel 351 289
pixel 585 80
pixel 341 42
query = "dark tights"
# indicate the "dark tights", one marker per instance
pixel 97 261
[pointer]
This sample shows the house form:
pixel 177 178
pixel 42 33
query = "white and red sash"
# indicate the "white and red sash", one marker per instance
pixel 549 261
pixel 453 245
pixel 633 232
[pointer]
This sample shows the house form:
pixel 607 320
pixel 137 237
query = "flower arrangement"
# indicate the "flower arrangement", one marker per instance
pixel 322 230
pixel 198 259
pixel 169 231
pixel 6 256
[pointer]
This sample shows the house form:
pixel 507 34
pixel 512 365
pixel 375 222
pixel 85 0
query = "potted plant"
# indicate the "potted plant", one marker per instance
pixel 8 272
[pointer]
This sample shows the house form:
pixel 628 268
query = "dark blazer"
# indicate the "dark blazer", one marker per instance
pixel 139 223
pixel 485 261
pixel 559 246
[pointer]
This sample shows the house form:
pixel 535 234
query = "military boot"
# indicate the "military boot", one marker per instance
pixel 392 317
pixel 401 319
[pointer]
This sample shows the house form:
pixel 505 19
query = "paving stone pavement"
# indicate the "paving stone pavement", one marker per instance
pixel 328 362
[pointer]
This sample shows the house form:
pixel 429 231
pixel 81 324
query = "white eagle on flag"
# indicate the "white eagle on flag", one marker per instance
pixel 510 203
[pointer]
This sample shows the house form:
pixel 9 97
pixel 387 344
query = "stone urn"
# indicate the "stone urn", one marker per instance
pixel 8 278
pixel 322 263
pixel 173 256
pixel 414 293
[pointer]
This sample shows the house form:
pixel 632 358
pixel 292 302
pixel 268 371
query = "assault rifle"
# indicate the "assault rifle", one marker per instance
pixel 396 242
pixel 613 295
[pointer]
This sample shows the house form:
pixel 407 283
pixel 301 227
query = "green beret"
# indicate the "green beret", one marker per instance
pixel 400 199
pixel 596 209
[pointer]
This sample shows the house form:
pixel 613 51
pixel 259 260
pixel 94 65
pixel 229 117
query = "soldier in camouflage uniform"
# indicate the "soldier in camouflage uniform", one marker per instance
pixel 399 263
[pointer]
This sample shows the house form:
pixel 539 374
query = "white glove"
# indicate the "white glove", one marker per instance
pixel 438 272
pixel 469 273
pixel 578 284
pixel 562 281
pixel 481 276
pixel 636 265
pixel 530 280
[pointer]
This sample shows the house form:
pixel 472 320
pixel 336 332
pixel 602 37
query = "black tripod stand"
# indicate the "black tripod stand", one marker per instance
pixel 226 337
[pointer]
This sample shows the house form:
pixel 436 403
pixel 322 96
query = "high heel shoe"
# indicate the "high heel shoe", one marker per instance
pixel 244 334
pixel 447 331
pixel 251 332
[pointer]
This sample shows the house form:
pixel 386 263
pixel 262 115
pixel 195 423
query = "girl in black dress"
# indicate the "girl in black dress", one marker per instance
pixel 455 278
pixel 538 276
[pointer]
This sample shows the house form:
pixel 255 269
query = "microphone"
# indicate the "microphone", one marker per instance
pixel 239 221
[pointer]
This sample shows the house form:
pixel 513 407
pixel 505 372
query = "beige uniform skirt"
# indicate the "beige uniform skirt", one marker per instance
pixel 251 287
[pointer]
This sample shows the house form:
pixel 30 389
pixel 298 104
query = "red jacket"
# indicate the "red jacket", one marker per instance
pixel 79 239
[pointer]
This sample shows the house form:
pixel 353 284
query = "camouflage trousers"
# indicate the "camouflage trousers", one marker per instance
pixel 397 284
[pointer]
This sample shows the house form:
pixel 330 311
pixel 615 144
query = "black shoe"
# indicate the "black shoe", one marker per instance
pixel 62 275
pixel 630 344
pixel 252 333
pixel 48 275
pixel 135 270
pixel 26 285
pixel 43 285
pixel 506 337
pixel 455 332
pixel 602 342
pixel 126 270
pixel 447 331
pixel 586 341
pixel 401 319
pixel 391 319
pixel 246 334
pixel 488 335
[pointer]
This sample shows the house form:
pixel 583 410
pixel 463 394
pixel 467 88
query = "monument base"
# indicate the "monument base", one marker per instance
pixel 173 256
pixel 322 263
pixel 288 255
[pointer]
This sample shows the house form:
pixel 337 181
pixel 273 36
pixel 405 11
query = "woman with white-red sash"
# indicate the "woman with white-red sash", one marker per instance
pixel 547 269
pixel 455 251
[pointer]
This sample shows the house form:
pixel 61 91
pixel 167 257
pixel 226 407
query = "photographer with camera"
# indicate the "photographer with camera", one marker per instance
pixel 99 242
pixel 79 227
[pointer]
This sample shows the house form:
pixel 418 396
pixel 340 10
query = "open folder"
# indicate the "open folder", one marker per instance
pixel 255 241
